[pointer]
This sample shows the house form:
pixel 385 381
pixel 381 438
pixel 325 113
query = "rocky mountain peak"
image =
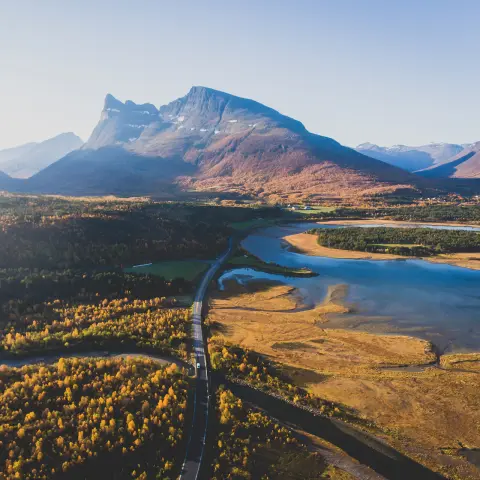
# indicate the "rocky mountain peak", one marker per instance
pixel 204 107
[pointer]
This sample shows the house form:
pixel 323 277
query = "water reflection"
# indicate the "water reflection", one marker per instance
pixel 435 301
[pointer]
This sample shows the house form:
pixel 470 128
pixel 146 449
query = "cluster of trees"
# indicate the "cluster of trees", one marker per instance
pixel 400 241
pixel 411 213
pixel 28 287
pixel 434 213
pixel 105 239
pixel 251 445
pixel 237 362
pixel 152 324
pixel 88 418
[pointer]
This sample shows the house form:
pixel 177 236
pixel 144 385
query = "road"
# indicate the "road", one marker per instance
pixel 196 442
pixel 48 358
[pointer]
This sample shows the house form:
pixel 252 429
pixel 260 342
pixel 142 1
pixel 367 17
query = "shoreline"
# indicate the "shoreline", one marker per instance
pixel 306 244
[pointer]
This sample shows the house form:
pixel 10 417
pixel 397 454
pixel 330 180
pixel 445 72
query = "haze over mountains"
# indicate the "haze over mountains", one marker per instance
pixel 213 141
pixel 26 160
pixel 412 158
pixel 216 142
pixel 466 164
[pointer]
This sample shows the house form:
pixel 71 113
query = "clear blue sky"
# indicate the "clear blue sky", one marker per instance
pixel 384 71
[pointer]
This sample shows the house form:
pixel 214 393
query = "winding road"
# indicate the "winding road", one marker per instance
pixel 196 443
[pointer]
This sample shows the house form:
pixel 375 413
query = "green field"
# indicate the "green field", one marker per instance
pixel 315 210
pixel 187 269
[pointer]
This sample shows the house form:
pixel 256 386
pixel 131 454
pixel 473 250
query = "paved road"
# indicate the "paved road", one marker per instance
pixel 196 442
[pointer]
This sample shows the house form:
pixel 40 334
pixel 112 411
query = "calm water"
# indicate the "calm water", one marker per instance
pixel 438 302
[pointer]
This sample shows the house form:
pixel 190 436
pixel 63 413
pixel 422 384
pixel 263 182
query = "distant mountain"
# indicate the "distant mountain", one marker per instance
pixel 213 141
pixel 7 183
pixel 26 160
pixel 464 165
pixel 10 154
pixel 411 158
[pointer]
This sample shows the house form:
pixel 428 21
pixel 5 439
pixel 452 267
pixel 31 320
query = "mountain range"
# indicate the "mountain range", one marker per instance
pixel 212 141
pixel 412 158
pixel 466 164
pixel 26 160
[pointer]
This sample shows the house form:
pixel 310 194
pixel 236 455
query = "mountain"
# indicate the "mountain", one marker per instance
pixel 412 158
pixel 464 165
pixel 10 154
pixel 7 183
pixel 26 160
pixel 213 141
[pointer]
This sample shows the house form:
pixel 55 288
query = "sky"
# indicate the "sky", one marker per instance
pixel 383 71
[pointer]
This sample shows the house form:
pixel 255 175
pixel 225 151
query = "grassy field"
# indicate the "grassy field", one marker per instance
pixel 427 415
pixel 316 210
pixel 189 270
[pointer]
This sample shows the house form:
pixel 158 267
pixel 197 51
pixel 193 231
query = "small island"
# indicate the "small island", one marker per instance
pixel 409 242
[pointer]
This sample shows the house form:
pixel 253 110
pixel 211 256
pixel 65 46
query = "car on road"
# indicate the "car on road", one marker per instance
pixel 199 366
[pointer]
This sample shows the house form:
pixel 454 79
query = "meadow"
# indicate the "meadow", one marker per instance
pixel 427 414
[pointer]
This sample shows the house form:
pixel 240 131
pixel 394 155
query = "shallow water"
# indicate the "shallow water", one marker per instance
pixel 437 302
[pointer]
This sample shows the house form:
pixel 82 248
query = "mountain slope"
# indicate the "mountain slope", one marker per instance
pixel 10 154
pixel 26 160
pixel 213 141
pixel 464 165
pixel 7 183
pixel 411 158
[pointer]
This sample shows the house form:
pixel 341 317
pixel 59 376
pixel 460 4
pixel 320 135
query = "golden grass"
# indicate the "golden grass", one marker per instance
pixel 423 414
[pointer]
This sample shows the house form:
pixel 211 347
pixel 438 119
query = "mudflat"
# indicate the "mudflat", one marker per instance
pixel 429 414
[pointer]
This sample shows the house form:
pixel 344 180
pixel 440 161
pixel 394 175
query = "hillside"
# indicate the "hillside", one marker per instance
pixel 464 165
pixel 26 160
pixel 7 183
pixel 9 154
pixel 412 158
pixel 213 141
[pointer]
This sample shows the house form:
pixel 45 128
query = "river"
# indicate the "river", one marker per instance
pixel 437 302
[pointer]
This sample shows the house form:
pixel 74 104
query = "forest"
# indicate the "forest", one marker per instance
pixel 62 285
pixel 86 418
pixel 123 323
pixel 433 213
pixel 99 235
pixel 411 213
pixel 420 242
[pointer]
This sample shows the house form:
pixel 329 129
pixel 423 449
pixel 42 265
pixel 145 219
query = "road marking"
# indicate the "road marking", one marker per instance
pixel 199 350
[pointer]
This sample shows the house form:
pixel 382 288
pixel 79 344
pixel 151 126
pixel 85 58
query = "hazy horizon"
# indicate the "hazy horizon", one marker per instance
pixel 358 72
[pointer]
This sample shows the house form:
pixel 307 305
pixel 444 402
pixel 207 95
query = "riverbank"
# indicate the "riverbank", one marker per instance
pixel 307 244
pixel 426 414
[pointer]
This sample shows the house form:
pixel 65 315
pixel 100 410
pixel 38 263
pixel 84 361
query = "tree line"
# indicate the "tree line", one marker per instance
pixel 419 242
